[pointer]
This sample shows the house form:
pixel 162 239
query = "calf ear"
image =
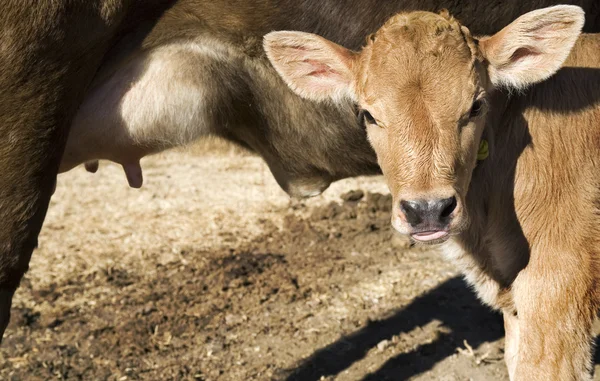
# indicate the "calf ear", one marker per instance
pixel 533 47
pixel 312 66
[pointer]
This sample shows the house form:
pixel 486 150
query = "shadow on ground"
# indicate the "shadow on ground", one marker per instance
pixel 452 303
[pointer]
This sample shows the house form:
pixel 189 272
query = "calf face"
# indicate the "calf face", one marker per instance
pixel 422 82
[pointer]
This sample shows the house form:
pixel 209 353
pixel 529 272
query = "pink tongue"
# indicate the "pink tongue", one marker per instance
pixel 430 236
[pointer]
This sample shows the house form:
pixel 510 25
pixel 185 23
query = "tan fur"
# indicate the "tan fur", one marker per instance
pixel 526 228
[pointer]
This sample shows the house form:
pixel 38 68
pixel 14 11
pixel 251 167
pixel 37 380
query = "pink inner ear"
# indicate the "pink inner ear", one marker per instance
pixel 320 69
pixel 525 51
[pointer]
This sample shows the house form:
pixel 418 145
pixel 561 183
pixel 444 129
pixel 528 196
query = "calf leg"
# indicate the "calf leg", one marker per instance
pixel 511 342
pixel 556 309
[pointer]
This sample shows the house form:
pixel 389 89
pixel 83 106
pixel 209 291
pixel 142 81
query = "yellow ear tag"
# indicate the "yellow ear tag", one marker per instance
pixel 483 152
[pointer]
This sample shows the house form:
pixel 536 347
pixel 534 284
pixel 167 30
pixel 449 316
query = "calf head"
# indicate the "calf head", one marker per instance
pixel 422 82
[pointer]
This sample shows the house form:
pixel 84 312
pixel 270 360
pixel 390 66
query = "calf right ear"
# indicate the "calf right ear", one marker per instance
pixel 533 47
pixel 312 66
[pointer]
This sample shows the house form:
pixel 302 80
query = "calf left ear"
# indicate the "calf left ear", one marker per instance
pixel 312 66
pixel 533 47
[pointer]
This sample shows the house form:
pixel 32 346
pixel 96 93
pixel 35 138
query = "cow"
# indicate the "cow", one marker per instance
pixel 491 151
pixel 201 70
pixel 84 66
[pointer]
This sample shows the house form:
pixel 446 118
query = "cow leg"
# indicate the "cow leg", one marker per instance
pixel 49 52
pixel 5 303
pixel 556 310
pixel 26 181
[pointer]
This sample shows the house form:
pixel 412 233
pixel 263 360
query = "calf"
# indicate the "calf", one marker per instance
pixel 503 175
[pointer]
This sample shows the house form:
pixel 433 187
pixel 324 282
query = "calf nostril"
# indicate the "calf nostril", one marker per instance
pixel 451 205
pixel 411 211
pixel 429 213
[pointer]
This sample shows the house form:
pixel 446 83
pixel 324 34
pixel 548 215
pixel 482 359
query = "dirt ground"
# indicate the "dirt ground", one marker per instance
pixel 210 272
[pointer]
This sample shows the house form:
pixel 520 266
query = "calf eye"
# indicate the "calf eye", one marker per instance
pixel 366 117
pixel 476 108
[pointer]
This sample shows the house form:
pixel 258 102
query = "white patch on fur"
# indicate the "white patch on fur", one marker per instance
pixel 163 104
pixel 486 288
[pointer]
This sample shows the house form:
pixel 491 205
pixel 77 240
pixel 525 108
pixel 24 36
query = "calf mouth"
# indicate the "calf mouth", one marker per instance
pixel 430 237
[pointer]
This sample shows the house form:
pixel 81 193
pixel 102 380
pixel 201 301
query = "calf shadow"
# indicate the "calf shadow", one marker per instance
pixel 452 303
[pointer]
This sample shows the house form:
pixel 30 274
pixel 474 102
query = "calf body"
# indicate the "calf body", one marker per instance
pixel 532 248
pixel 522 223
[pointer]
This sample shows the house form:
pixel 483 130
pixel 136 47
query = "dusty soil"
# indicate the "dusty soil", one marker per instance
pixel 210 272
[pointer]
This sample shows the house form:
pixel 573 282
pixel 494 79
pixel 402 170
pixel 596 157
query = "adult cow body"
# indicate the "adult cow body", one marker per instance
pixel 50 52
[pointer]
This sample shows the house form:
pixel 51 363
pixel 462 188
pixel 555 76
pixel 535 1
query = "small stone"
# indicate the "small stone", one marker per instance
pixel 231 319
pixel 383 345
pixel 353 196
